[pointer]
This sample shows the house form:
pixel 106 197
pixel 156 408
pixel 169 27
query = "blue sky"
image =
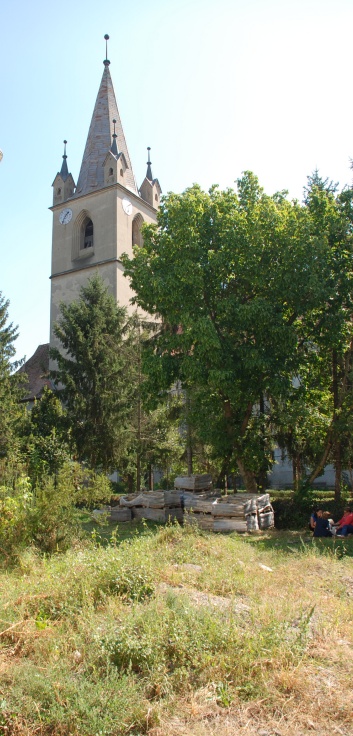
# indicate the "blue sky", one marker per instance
pixel 213 87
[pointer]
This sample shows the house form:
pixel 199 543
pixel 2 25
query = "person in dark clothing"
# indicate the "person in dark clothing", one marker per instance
pixel 322 526
pixel 312 521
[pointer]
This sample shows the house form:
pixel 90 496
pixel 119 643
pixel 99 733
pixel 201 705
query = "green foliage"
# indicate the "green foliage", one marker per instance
pixel 45 513
pixel 320 409
pixel 293 508
pixel 230 274
pixel 15 512
pixel 255 296
pixel 11 385
pixel 96 374
pixel 162 442
pixel 86 656
pixel 45 443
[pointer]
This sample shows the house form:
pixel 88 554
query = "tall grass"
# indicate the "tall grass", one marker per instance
pixel 178 632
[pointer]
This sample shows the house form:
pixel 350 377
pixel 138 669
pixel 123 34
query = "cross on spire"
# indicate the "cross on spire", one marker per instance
pixel 149 170
pixel 106 61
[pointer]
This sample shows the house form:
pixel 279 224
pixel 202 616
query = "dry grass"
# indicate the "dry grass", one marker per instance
pixel 218 635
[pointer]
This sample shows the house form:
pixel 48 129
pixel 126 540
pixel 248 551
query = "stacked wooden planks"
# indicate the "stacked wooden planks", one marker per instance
pixel 265 512
pixel 154 505
pixel 240 512
pixel 119 513
pixel 193 482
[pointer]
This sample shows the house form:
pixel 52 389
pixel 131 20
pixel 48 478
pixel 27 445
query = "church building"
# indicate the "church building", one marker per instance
pixel 100 218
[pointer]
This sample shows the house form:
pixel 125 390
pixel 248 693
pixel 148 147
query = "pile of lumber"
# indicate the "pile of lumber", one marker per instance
pixel 240 512
pixel 193 483
pixel 265 512
pixel 154 505
pixel 113 513
pixel 119 513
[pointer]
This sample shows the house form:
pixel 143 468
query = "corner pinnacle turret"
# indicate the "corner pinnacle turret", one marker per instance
pixel 150 189
pixel 149 169
pixel 63 184
pixel 64 173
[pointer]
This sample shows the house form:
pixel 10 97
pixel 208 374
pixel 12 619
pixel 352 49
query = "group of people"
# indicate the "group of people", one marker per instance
pixel 323 526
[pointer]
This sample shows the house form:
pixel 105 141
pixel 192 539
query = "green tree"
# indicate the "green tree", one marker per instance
pixel 96 374
pixel 330 329
pixel 47 439
pixel 233 275
pixel 11 384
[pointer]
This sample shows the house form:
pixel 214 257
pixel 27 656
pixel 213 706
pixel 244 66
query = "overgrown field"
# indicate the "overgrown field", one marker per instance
pixel 175 632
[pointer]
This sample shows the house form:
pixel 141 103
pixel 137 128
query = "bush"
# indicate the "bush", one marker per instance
pixel 293 510
pixel 46 514
pixel 15 510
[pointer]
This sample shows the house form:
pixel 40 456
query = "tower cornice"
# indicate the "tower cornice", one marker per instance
pixel 139 201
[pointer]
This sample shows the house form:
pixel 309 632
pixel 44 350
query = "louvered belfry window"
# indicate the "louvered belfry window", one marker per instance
pixel 88 235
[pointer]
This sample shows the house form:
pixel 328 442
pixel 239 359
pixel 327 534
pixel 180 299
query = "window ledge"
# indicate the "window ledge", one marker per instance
pixel 84 253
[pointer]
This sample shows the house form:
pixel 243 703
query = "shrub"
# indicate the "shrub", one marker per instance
pixel 46 514
pixel 15 510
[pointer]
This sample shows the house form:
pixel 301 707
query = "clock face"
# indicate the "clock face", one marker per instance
pixel 127 206
pixel 65 216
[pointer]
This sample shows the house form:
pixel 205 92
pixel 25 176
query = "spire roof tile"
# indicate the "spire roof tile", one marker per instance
pixel 99 140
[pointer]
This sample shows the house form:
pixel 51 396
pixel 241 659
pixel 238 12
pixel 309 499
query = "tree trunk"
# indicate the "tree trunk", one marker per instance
pixel 188 439
pixel 338 471
pixel 248 477
pixel 320 466
pixel 150 477
pixel 297 470
pixel 263 481
pixel 222 473
pixel 189 452
pixel 138 454
pixel 337 461
pixel 295 476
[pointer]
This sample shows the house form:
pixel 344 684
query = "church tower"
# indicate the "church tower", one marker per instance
pixel 101 218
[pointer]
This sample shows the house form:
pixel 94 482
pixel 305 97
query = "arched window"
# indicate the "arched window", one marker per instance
pixel 137 223
pixel 87 234
pixel 83 236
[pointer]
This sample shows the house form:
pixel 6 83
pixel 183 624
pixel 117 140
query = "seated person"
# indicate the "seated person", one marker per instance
pixel 331 522
pixel 345 525
pixel 322 526
pixel 312 521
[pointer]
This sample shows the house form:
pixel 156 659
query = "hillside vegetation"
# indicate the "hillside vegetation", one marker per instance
pixel 171 632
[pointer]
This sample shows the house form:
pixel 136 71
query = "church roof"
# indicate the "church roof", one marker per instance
pixel 99 140
pixel 37 370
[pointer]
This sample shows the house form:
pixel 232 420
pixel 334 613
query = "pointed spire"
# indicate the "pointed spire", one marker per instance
pixel 114 147
pixel 64 173
pixel 99 139
pixel 149 170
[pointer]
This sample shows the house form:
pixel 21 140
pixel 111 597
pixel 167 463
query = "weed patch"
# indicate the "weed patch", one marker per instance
pixel 155 633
